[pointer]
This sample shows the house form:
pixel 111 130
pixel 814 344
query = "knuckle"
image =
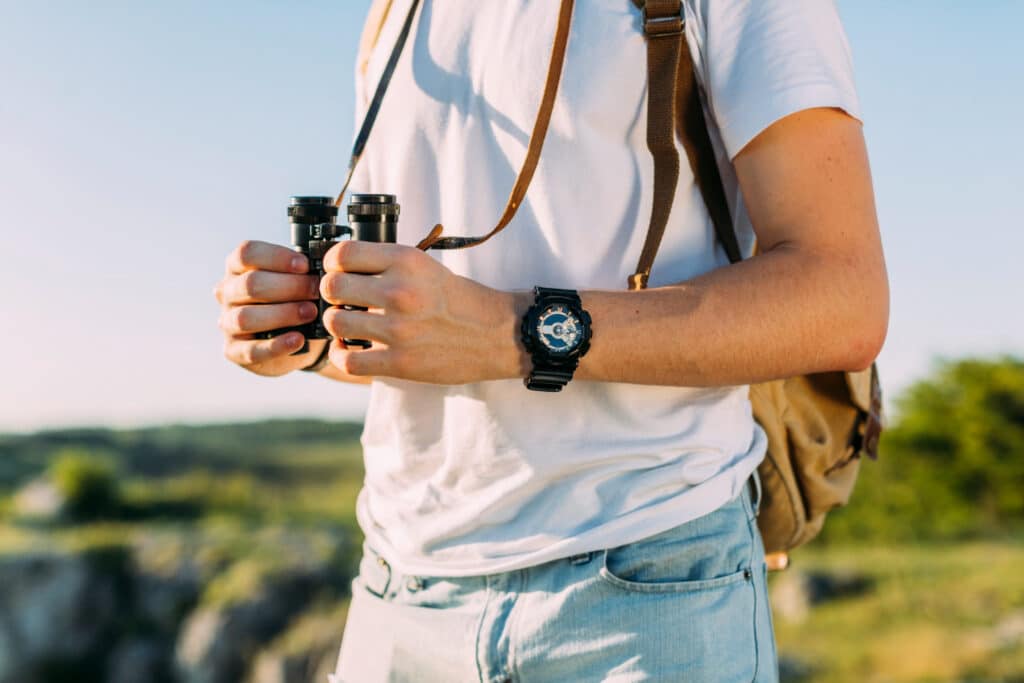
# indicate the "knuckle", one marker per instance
pixel 248 355
pixel 223 323
pixel 229 291
pixel 398 330
pixel 336 255
pixel 351 363
pixel 343 251
pixel 409 259
pixel 329 287
pixel 246 252
pixel 401 297
pixel 330 259
pixel 251 284
pixel 330 320
pixel 240 318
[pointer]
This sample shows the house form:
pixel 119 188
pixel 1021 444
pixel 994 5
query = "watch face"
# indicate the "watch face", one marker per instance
pixel 558 329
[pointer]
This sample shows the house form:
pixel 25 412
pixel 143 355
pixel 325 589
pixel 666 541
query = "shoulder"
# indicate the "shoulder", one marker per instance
pixel 761 60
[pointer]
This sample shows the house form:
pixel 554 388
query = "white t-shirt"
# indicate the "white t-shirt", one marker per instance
pixel 489 477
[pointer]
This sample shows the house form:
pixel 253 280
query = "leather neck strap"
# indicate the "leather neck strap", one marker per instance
pixel 378 95
pixel 674 106
pixel 540 128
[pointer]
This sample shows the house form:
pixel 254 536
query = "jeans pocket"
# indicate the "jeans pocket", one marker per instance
pixel 707 553
pixel 673 586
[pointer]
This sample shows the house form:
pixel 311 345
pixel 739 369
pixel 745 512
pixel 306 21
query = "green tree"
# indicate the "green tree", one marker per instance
pixel 951 464
pixel 88 483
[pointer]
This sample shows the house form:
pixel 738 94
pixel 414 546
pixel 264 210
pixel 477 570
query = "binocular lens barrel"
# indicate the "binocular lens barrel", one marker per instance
pixel 373 218
pixel 308 216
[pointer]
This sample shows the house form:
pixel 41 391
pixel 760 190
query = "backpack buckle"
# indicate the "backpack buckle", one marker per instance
pixel 662 18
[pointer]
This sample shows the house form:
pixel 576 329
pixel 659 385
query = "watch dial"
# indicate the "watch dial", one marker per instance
pixel 559 329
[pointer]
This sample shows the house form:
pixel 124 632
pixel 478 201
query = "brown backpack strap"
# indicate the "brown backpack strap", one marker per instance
pixel 663 29
pixel 673 100
pixel 693 133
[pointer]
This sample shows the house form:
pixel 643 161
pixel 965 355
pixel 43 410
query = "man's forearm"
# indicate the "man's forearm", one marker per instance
pixel 783 313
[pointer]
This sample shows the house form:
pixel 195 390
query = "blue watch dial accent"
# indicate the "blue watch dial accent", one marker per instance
pixel 558 329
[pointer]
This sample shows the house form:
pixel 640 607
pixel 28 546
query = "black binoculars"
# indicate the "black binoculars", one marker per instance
pixel 371 217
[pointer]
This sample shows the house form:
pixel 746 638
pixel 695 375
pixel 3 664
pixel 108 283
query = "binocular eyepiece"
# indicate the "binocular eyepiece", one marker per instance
pixel 314 230
pixel 373 218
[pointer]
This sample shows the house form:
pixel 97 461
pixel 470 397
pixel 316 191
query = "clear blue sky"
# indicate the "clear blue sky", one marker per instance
pixel 139 142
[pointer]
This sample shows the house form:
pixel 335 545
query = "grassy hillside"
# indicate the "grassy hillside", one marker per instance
pixel 275 471
pixel 941 612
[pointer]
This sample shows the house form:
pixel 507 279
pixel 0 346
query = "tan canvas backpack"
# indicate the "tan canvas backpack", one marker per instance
pixel 818 426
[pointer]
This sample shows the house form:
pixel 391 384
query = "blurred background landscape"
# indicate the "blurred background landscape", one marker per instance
pixel 223 553
pixel 167 517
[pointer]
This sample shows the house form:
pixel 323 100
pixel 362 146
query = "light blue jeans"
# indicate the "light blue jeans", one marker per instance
pixel 689 604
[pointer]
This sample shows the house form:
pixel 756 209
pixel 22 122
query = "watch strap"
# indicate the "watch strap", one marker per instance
pixel 555 295
pixel 548 379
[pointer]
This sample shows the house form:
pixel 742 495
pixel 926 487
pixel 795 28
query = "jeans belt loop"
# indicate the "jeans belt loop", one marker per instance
pixel 581 558
pixel 756 492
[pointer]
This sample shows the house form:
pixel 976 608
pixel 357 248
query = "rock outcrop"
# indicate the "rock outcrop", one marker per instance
pixel 164 608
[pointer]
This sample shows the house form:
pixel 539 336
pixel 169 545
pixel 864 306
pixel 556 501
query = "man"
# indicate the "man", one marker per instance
pixel 605 531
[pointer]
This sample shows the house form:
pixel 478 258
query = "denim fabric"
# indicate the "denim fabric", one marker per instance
pixel 689 604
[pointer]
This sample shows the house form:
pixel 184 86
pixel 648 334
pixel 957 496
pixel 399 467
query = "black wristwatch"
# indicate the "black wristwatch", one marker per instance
pixel 556 334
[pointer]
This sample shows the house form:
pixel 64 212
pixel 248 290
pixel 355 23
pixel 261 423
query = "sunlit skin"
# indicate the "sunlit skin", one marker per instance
pixel 814 299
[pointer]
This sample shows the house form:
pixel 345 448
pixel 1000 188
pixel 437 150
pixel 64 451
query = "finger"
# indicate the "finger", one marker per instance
pixel 238 320
pixel 256 255
pixel 378 361
pixel 353 289
pixel 353 256
pixel 256 351
pixel 263 287
pixel 344 324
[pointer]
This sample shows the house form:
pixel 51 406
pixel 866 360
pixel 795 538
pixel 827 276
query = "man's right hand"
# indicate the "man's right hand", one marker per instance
pixel 266 287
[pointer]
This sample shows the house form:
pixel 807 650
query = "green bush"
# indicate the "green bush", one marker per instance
pixel 88 483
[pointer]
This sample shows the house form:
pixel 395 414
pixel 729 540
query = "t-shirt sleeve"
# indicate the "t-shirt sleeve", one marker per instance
pixel 765 59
